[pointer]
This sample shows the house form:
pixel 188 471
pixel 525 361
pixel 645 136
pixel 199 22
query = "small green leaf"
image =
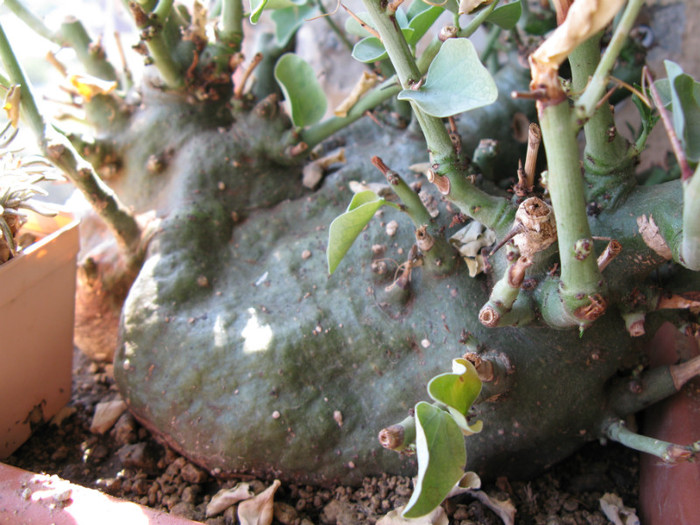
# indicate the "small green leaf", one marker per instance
pixel 289 20
pixel 371 49
pixel 258 6
pixel 297 79
pixel 685 101
pixel 346 227
pixel 422 21
pixel 506 16
pixel 456 82
pixel 441 458
pixel 354 27
pixel 256 9
pixel 458 390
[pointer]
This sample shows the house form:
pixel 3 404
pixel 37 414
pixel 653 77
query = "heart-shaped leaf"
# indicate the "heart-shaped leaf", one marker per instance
pixel 371 49
pixel 458 390
pixel 346 227
pixel 289 20
pixel 456 82
pixel 441 458
pixel 506 16
pixel 307 101
pixel 422 21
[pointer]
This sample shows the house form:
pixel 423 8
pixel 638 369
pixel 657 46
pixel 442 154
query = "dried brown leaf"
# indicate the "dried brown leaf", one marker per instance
pixel 584 19
pixel 227 497
pixel 260 509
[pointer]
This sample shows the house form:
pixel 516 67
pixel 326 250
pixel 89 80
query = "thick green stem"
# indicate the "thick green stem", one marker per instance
pixel 609 170
pixel 580 277
pixel 162 9
pixel 690 246
pixel 601 144
pixel 231 26
pixel 588 101
pixel 91 57
pixel 668 452
pixel 494 212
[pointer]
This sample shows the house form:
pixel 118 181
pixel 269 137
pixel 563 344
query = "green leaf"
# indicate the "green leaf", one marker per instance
pixel 685 102
pixel 353 27
pixel 506 16
pixel 371 49
pixel 456 82
pixel 258 6
pixel 346 227
pixel 297 79
pixel 289 20
pixel 422 21
pixel 256 9
pixel 441 458
pixel 458 390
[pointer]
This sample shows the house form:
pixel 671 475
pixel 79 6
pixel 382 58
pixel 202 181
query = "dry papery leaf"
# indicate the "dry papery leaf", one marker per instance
pixel 227 497
pixel 366 82
pixel 504 509
pixel 616 512
pixel 585 18
pixel 437 517
pixel 469 6
pixel 260 509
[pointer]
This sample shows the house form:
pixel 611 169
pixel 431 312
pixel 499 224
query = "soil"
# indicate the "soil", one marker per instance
pixel 129 463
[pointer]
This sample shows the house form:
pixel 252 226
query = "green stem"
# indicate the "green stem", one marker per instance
pixel 334 27
pixel 588 101
pixel 580 276
pixel 231 27
pixel 690 246
pixel 33 22
pixel 158 48
pixel 600 144
pixel 491 41
pixel 29 109
pixel 103 200
pixel 59 151
pixel 92 58
pixel 668 452
pixel 493 212
pixel 317 133
pixel 476 22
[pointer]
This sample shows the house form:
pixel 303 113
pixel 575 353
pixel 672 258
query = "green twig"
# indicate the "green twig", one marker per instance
pixel 668 452
pixel 475 23
pixel 91 57
pixel 506 291
pixel 162 9
pixel 588 101
pixel 449 168
pixel 33 22
pixel 334 27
